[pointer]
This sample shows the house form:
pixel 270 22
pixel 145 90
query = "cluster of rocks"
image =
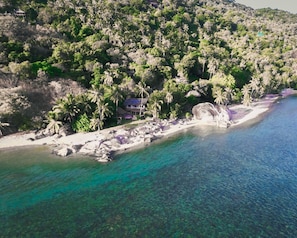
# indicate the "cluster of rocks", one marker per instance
pixel 102 147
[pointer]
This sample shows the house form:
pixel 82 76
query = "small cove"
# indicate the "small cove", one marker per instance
pixel 242 183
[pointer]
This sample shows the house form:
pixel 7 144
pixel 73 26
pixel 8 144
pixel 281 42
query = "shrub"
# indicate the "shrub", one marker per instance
pixel 82 124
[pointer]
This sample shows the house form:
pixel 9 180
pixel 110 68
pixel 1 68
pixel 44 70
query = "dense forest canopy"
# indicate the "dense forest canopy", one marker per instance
pixel 75 61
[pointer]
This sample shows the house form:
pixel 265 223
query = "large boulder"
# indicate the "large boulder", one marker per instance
pixel 211 113
pixel 205 111
pixel 63 152
pixel 90 147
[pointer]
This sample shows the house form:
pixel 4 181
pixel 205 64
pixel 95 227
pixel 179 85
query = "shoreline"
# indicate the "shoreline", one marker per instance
pixel 116 140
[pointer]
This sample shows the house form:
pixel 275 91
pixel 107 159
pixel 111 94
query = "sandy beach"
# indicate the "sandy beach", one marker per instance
pixel 115 139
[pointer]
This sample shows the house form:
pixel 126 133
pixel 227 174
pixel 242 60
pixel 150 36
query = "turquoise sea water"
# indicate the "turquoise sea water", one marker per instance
pixel 239 183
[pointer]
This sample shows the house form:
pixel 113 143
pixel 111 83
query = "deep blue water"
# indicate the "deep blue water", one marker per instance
pixel 236 183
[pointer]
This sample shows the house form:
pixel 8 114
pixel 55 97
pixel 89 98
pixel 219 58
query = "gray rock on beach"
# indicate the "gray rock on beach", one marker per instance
pixel 63 152
pixel 211 113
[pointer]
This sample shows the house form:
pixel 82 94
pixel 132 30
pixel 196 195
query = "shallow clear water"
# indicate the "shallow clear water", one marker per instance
pixel 239 183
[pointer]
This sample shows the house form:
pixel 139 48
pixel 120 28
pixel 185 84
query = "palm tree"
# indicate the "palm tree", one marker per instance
pixel 202 60
pixel 218 95
pixel 96 95
pixel 228 93
pixel 155 107
pixel 246 95
pixel 66 109
pixel 83 103
pixel 54 126
pixel 255 86
pixel 212 66
pixel 99 116
pixel 141 86
pixel 95 123
pixel 108 79
pixel 116 96
pixel 168 98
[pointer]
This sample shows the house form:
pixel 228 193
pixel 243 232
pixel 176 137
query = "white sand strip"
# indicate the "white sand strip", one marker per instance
pixel 242 114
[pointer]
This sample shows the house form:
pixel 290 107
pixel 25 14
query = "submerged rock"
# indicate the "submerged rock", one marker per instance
pixel 104 157
pixel 102 160
pixel 63 152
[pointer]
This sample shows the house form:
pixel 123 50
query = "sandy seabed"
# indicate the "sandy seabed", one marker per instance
pixel 240 115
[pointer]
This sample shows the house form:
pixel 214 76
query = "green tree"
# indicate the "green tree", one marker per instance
pixel 116 96
pixel 66 109
pixel 142 91
pixel 223 80
pixel 255 87
pixel 83 103
pixel 102 110
pixel 188 67
pixel 218 95
pixel 155 107
pixel 246 95
pixel 54 126
pixel 96 95
pixel 228 93
pixel 82 124
pixel 97 122
pixel 168 98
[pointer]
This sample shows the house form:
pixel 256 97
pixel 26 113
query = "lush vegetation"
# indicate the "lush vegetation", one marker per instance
pixel 176 53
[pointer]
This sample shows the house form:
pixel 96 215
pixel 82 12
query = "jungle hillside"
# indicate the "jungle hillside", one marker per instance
pixel 73 63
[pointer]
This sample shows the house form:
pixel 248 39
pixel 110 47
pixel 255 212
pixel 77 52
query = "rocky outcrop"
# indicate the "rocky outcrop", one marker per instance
pixel 213 114
pixel 102 148
pixel 204 111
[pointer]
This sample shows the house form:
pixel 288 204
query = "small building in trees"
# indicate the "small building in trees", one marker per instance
pixel 135 105
pixel 123 114
pixel 19 13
